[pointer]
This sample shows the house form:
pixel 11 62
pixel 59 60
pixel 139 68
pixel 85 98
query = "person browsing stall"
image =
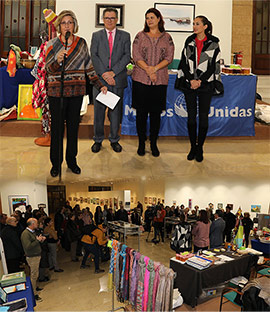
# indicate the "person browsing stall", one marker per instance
pixel 31 246
pixel 153 51
pixel 78 64
pixel 110 52
pixel 199 77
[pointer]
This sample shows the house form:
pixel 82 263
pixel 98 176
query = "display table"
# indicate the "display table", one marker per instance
pixel 191 281
pixel 260 246
pixel 9 86
pixel 124 228
pixel 231 114
pixel 28 294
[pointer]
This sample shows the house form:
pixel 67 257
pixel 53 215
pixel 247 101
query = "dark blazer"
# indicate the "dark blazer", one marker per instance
pixel 216 232
pixel 100 55
pixel 12 243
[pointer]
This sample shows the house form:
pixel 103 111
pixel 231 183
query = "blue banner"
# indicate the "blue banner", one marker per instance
pixel 231 114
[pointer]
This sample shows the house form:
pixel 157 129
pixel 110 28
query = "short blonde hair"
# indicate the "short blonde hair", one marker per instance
pixel 61 16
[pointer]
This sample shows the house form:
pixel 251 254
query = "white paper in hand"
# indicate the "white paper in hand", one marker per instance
pixel 110 99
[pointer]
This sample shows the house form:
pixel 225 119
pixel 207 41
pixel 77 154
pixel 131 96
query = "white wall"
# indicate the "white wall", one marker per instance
pixel 243 193
pixel 219 12
pixel 36 190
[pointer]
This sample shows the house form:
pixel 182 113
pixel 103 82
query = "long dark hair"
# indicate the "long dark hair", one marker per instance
pixel 204 216
pixel 206 21
pixel 158 15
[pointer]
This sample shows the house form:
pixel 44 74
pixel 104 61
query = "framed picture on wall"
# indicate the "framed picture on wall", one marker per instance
pixel 150 200
pixel 219 206
pixel 99 14
pixel 255 208
pixel 145 200
pixel 177 17
pixel 102 202
pixel 17 202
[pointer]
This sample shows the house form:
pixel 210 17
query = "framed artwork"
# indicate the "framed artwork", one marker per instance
pixel 190 203
pixel 256 208
pixel 154 200
pixel 131 199
pixel 97 201
pixel 174 202
pixel 81 200
pixel 16 201
pixel 106 201
pixel 219 206
pixel 74 198
pixel 102 202
pixel 145 200
pixel 85 200
pixel 25 108
pixel 99 14
pixel 150 200
pixel 88 200
pixel 177 17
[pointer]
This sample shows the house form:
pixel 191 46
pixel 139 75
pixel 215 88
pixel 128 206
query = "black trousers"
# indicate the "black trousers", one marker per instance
pixel 141 122
pixel 246 232
pixel 70 114
pixel 158 228
pixel 204 106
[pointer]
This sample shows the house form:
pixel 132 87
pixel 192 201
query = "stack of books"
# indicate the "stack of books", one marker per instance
pixel 12 279
pixel 199 262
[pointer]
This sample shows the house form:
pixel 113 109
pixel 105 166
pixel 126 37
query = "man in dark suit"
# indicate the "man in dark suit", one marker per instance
pixel 216 230
pixel 110 52
pixel 12 245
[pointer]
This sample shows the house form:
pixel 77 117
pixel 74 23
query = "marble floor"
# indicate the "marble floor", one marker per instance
pixel 224 157
pixel 82 290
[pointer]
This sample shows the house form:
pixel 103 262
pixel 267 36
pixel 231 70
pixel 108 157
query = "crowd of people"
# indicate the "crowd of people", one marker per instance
pixel 34 238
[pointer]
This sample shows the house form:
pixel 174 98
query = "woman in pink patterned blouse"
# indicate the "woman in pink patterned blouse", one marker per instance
pixel 153 51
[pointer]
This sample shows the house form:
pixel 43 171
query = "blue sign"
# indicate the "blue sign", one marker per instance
pixel 231 114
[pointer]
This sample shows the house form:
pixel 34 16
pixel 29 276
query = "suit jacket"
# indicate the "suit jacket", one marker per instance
pixel 100 55
pixel 216 232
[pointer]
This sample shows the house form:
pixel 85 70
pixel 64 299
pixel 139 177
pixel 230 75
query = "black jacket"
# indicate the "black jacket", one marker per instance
pixel 72 231
pixel 247 224
pixel 121 215
pixel 12 243
pixel 230 220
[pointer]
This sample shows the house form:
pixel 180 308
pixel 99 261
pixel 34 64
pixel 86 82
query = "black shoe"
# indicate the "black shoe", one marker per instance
pixel 54 172
pixel 99 271
pixel 154 149
pixel 96 147
pixel 51 268
pixel 199 154
pixel 83 266
pixel 75 169
pixel 75 260
pixel 192 153
pixel 141 148
pixel 37 298
pixel 59 270
pixel 116 147
pixel 39 289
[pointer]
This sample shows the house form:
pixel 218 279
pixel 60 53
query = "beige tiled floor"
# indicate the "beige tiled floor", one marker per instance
pixel 80 290
pixel 21 158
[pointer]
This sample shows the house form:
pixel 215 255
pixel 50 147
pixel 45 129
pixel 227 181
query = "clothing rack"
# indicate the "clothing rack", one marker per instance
pixel 109 244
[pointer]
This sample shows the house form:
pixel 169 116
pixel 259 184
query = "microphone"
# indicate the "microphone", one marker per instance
pixel 67 35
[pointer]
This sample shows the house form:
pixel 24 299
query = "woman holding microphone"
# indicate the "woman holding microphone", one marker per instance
pixel 199 77
pixel 77 66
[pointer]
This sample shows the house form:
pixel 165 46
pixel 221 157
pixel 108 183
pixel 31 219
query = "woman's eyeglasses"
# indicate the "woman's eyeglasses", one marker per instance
pixel 66 23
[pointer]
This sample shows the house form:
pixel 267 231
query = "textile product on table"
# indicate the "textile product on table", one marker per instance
pixel 147 285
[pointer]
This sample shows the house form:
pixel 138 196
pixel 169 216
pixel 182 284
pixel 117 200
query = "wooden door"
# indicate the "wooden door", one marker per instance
pixel 56 197
pixel 261 37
